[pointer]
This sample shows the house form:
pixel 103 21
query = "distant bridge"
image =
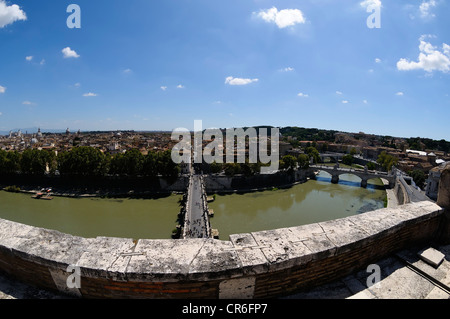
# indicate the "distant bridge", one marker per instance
pixel 334 156
pixel 335 171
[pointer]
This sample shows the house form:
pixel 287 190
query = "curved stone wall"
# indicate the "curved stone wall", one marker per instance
pixel 253 265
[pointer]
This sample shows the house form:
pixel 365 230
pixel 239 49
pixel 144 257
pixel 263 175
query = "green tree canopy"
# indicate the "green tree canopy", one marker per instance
pixel 82 161
pixel 387 161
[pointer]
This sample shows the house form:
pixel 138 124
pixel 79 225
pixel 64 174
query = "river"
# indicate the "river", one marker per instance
pixel 310 202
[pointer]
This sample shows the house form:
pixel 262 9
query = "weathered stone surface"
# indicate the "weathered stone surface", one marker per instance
pixel 214 259
pixel 343 233
pixel 103 257
pixel 249 253
pixel 168 259
pixel 50 246
pixel 282 248
pixel 432 256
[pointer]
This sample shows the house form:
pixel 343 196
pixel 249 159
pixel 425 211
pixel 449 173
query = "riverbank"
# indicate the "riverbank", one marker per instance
pixel 98 194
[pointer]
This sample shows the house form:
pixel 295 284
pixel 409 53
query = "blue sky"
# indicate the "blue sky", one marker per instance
pixel 159 65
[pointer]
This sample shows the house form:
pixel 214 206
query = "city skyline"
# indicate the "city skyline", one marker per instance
pixel 160 65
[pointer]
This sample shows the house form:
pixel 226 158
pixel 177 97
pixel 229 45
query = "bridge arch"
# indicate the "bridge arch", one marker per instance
pixel 364 175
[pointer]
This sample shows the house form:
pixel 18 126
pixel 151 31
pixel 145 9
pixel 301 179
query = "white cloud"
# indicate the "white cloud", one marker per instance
pixel 283 18
pixel 339 92
pixel 89 94
pixel 303 95
pixel 29 58
pixel 42 62
pixel 344 102
pixel 365 101
pixel 288 69
pixel 179 86
pixel 239 81
pixel 127 71
pixel 399 94
pixel 163 88
pixel 28 103
pixel 370 3
pixel 430 58
pixel 77 85
pixel 2 89
pixel 10 14
pixel 69 53
pixel 377 60
pixel 425 8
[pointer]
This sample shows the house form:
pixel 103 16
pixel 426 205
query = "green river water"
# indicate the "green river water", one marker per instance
pixel 306 203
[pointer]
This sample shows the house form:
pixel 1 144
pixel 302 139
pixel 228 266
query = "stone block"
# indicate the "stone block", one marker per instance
pixel 432 257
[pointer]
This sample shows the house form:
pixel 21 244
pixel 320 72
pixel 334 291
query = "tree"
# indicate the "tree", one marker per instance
pixel 232 169
pixel 216 167
pixel 82 161
pixel 303 161
pixel 165 165
pixel 288 162
pixel 130 163
pixel 371 166
pixel 149 166
pixel 35 162
pixel 387 161
pixel 9 162
pixel 348 159
pixel 313 153
pixel 418 177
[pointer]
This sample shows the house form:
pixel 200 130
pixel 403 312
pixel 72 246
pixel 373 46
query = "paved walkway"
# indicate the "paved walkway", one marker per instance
pixel 399 280
pixel 392 198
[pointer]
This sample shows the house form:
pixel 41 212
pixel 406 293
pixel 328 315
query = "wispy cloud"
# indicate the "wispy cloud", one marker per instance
pixel 399 93
pixel 425 9
pixel 370 3
pixel 339 93
pixel 283 18
pixel 2 89
pixel 288 69
pixel 29 58
pixel 345 102
pixel 163 88
pixel 69 53
pixel 302 94
pixel 28 103
pixel 239 81
pixel 90 94
pixel 180 86
pixel 10 14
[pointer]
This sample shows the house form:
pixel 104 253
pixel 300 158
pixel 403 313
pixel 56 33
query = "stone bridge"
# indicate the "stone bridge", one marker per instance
pixel 196 223
pixel 334 156
pixel 365 174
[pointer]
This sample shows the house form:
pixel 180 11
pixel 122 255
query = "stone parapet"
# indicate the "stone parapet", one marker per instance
pixel 262 264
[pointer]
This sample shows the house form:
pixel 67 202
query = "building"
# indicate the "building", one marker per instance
pixel 432 187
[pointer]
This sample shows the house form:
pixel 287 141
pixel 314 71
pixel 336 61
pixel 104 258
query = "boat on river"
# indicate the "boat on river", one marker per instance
pixel 43 195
